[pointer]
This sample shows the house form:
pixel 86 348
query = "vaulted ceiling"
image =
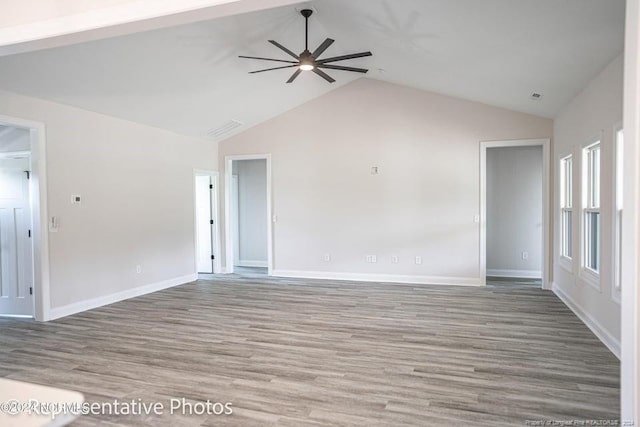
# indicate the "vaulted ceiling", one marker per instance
pixel 188 79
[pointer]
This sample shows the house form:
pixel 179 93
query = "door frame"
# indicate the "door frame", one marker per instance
pixel 215 179
pixel 39 214
pixel 228 239
pixel 546 203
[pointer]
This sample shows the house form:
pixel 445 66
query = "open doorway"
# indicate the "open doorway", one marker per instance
pixel 514 214
pixel 514 237
pixel 206 222
pixel 16 248
pixel 248 217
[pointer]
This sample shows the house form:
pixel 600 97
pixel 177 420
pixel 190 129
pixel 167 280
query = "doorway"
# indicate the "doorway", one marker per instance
pixel 16 250
pixel 248 214
pixel 514 217
pixel 24 272
pixel 206 222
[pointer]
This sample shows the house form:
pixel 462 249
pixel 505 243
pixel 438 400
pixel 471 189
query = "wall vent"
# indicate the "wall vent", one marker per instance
pixel 224 129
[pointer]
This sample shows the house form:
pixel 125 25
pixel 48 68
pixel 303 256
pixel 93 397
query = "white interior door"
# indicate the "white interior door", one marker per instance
pixel 16 251
pixel 204 223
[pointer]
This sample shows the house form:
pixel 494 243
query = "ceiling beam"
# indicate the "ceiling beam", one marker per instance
pixel 126 17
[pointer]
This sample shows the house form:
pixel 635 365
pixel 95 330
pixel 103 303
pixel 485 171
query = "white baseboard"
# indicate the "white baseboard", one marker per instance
pixel 517 274
pixel 78 307
pixel 387 278
pixel 603 335
pixel 250 263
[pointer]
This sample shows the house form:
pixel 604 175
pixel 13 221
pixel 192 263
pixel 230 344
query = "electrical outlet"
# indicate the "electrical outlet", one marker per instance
pixel 371 259
pixel 395 259
pixel 138 269
pixel 418 260
pixel 327 257
pixel 374 259
pixel 525 255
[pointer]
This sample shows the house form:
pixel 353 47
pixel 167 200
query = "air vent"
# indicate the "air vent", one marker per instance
pixel 226 128
pixel 536 96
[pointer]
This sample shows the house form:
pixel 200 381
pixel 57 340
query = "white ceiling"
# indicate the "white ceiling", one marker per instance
pixel 188 79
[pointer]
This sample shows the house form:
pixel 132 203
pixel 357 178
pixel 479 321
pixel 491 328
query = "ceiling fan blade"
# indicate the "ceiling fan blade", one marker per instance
pixel 343 57
pixel 324 46
pixel 323 75
pixel 340 67
pixel 267 59
pixel 275 68
pixel 294 76
pixel 275 43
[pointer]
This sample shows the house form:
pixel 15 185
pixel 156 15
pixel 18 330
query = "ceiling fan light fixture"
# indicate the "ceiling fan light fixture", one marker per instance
pixel 310 61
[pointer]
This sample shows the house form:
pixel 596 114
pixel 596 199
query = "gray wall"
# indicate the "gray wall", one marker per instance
pixel 514 211
pixel 252 212
pixel 422 203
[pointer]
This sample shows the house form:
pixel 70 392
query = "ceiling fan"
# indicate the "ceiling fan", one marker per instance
pixel 308 61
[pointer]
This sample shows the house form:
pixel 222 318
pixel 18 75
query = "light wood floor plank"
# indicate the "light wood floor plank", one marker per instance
pixel 292 352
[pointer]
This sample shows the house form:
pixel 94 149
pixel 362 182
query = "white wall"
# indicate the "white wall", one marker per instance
pixel 252 212
pixel 136 184
pixel 422 202
pixel 514 211
pixel 594 112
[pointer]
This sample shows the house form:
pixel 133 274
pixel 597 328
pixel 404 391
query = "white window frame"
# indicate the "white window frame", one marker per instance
pixel 591 203
pixel 566 205
pixel 618 205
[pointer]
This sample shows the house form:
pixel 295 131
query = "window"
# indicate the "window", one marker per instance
pixel 591 208
pixel 617 244
pixel 566 206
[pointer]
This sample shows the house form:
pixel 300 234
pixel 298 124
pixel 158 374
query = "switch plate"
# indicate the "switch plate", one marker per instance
pixel 138 269
pixel 525 255
pixel 395 259
pixel 418 260
pixel 476 219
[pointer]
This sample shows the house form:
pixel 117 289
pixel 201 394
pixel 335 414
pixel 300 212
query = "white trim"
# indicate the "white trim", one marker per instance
pixel 615 236
pixel 516 274
pixel 215 179
pixel 39 213
pixel 599 331
pixel 384 278
pixel 630 315
pixel 252 263
pixel 586 274
pixel 90 304
pixel 546 203
pixel 591 278
pixel 228 238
